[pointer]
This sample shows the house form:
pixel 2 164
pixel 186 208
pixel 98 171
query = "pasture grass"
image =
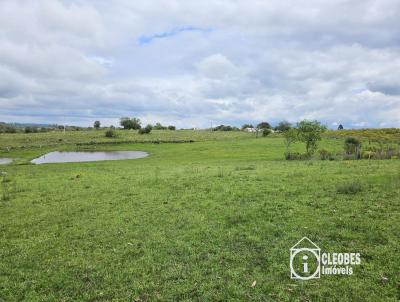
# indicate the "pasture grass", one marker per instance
pixel 194 222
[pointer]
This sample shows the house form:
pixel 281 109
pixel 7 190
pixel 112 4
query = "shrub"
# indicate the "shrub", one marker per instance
pixel 146 130
pixel 266 132
pixel 11 130
pixel 352 187
pixel 158 126
pixel 297 156
pixel 368 154
pixel 326 155
pixel 352 146
pixel 31 130
pixel 225 128
pixel 110 133
pixel 5 128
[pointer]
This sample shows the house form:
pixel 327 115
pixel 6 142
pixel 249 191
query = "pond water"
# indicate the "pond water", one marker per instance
pixel 83 156
pixel 4 161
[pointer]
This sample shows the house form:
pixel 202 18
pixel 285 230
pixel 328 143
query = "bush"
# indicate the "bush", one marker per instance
pixel 352 146
pixel 158 126
pixel 326 155
pixel 110 133
pixel 146 130
pixel 7 129
pixel 31 130
pixel 297 156
pixel 368 154
pixel 266 132
pixel 225 128
pixel 349 188
pixel 171 127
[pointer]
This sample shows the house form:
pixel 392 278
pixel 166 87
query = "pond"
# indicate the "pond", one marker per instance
pixel 4 161
pixel 84 156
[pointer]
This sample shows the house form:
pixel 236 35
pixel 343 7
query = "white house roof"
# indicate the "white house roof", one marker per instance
pixel 305 241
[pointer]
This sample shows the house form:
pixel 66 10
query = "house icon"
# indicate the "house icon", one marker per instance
pixel 305 245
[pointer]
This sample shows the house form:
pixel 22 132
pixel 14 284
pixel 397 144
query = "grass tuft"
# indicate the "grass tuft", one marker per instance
pixel 352 187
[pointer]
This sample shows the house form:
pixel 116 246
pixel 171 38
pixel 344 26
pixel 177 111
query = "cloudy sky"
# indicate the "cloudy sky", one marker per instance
pixel 192 63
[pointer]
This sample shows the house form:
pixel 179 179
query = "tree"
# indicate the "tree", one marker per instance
pixel 264 125
pixel 125 122
pixel 340 127
pixel 170 127
pixel 136 124
pixel 225 128
pixel 310 132
pixel 158 126
pixel 247 126
pixel 130 123
pixel 283 126
pixel 96 124
pixel 290 137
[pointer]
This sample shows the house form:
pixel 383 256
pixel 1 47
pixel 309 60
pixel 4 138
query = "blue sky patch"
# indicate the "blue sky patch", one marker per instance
pixel 146 39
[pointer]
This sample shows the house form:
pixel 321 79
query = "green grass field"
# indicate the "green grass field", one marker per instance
pixel 194 221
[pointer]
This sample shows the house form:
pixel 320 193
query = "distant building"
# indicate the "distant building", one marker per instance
pixel 255 130
pixel 250 129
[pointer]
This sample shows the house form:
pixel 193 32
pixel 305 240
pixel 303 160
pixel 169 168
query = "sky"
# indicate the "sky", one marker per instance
pixel 197 63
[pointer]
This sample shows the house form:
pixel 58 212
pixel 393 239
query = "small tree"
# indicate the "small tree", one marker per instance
pixel 310 132
pixel 340 127
pixel 290 137
pixel 225 128
pixel 125 122
pixel 158 126
pixel 283 126
pixel 264 125
pixel 96 125
pixel 247 126
pixel 170 127
pixel 130 123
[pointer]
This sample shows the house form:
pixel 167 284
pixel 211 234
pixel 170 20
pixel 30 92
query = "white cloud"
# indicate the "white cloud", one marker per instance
pixel 217 66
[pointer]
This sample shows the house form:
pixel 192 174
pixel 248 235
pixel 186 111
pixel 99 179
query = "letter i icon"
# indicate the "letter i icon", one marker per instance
pixel 305 264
